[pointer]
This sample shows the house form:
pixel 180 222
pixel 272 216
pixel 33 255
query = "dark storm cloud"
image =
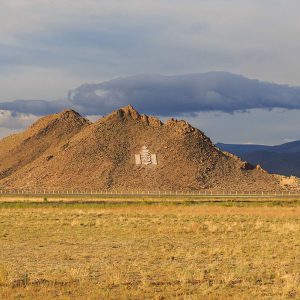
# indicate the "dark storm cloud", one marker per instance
pixel 170 95
pixel 185 94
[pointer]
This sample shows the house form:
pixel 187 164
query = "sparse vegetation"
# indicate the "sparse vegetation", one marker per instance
pixel 3 276
pixel 120 251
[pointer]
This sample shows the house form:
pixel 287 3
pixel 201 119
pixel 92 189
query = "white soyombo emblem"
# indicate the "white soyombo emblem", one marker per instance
pixel 145 157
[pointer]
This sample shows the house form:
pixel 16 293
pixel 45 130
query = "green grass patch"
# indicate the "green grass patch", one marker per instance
pixel 145 202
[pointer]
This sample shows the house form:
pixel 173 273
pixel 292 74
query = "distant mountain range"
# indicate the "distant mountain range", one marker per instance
pixel 282 159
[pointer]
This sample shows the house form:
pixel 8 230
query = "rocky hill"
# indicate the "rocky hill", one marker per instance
pixel 123 151
pixel 46 134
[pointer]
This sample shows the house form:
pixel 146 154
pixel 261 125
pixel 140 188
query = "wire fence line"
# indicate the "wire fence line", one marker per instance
pixel 92 192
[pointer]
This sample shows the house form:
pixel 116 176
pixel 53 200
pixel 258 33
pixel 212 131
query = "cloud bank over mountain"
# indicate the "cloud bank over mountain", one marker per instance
pixel 15 120
pixel 35 107
pixel 46 49
pixel 169 95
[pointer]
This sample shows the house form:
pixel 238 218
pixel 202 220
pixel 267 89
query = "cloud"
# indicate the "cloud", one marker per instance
pixel 170 95
pixel 185 94
pixel 35 107
pixel 97 40
pixel 15 121
pixel 63 44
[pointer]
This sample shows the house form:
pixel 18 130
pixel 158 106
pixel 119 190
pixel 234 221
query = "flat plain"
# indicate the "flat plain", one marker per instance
pixel 149 250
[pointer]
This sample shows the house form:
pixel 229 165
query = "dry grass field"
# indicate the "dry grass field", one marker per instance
pixel 97 251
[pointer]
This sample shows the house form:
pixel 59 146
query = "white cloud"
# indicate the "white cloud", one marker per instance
pixel 15 121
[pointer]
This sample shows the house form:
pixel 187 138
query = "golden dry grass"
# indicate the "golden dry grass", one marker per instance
pixel 149 252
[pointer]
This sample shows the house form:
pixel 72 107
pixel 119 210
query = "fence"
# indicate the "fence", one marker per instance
pixel 92 192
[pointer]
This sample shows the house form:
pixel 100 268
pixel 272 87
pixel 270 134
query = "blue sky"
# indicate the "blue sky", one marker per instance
pixel 50 47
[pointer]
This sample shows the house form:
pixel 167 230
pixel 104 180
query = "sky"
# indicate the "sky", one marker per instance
pixel 64 52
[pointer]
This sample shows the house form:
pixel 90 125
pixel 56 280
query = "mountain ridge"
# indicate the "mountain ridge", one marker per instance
pixel 289 147
pixel 280 159
pixel 73 153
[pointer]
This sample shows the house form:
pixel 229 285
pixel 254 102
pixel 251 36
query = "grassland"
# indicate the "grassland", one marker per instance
pixel 150 250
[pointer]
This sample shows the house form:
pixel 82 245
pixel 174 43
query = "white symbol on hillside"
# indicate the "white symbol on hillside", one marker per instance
pixel 145 157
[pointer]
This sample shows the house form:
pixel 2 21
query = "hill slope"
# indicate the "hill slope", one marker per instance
pixel 102 156
pixel 47 133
